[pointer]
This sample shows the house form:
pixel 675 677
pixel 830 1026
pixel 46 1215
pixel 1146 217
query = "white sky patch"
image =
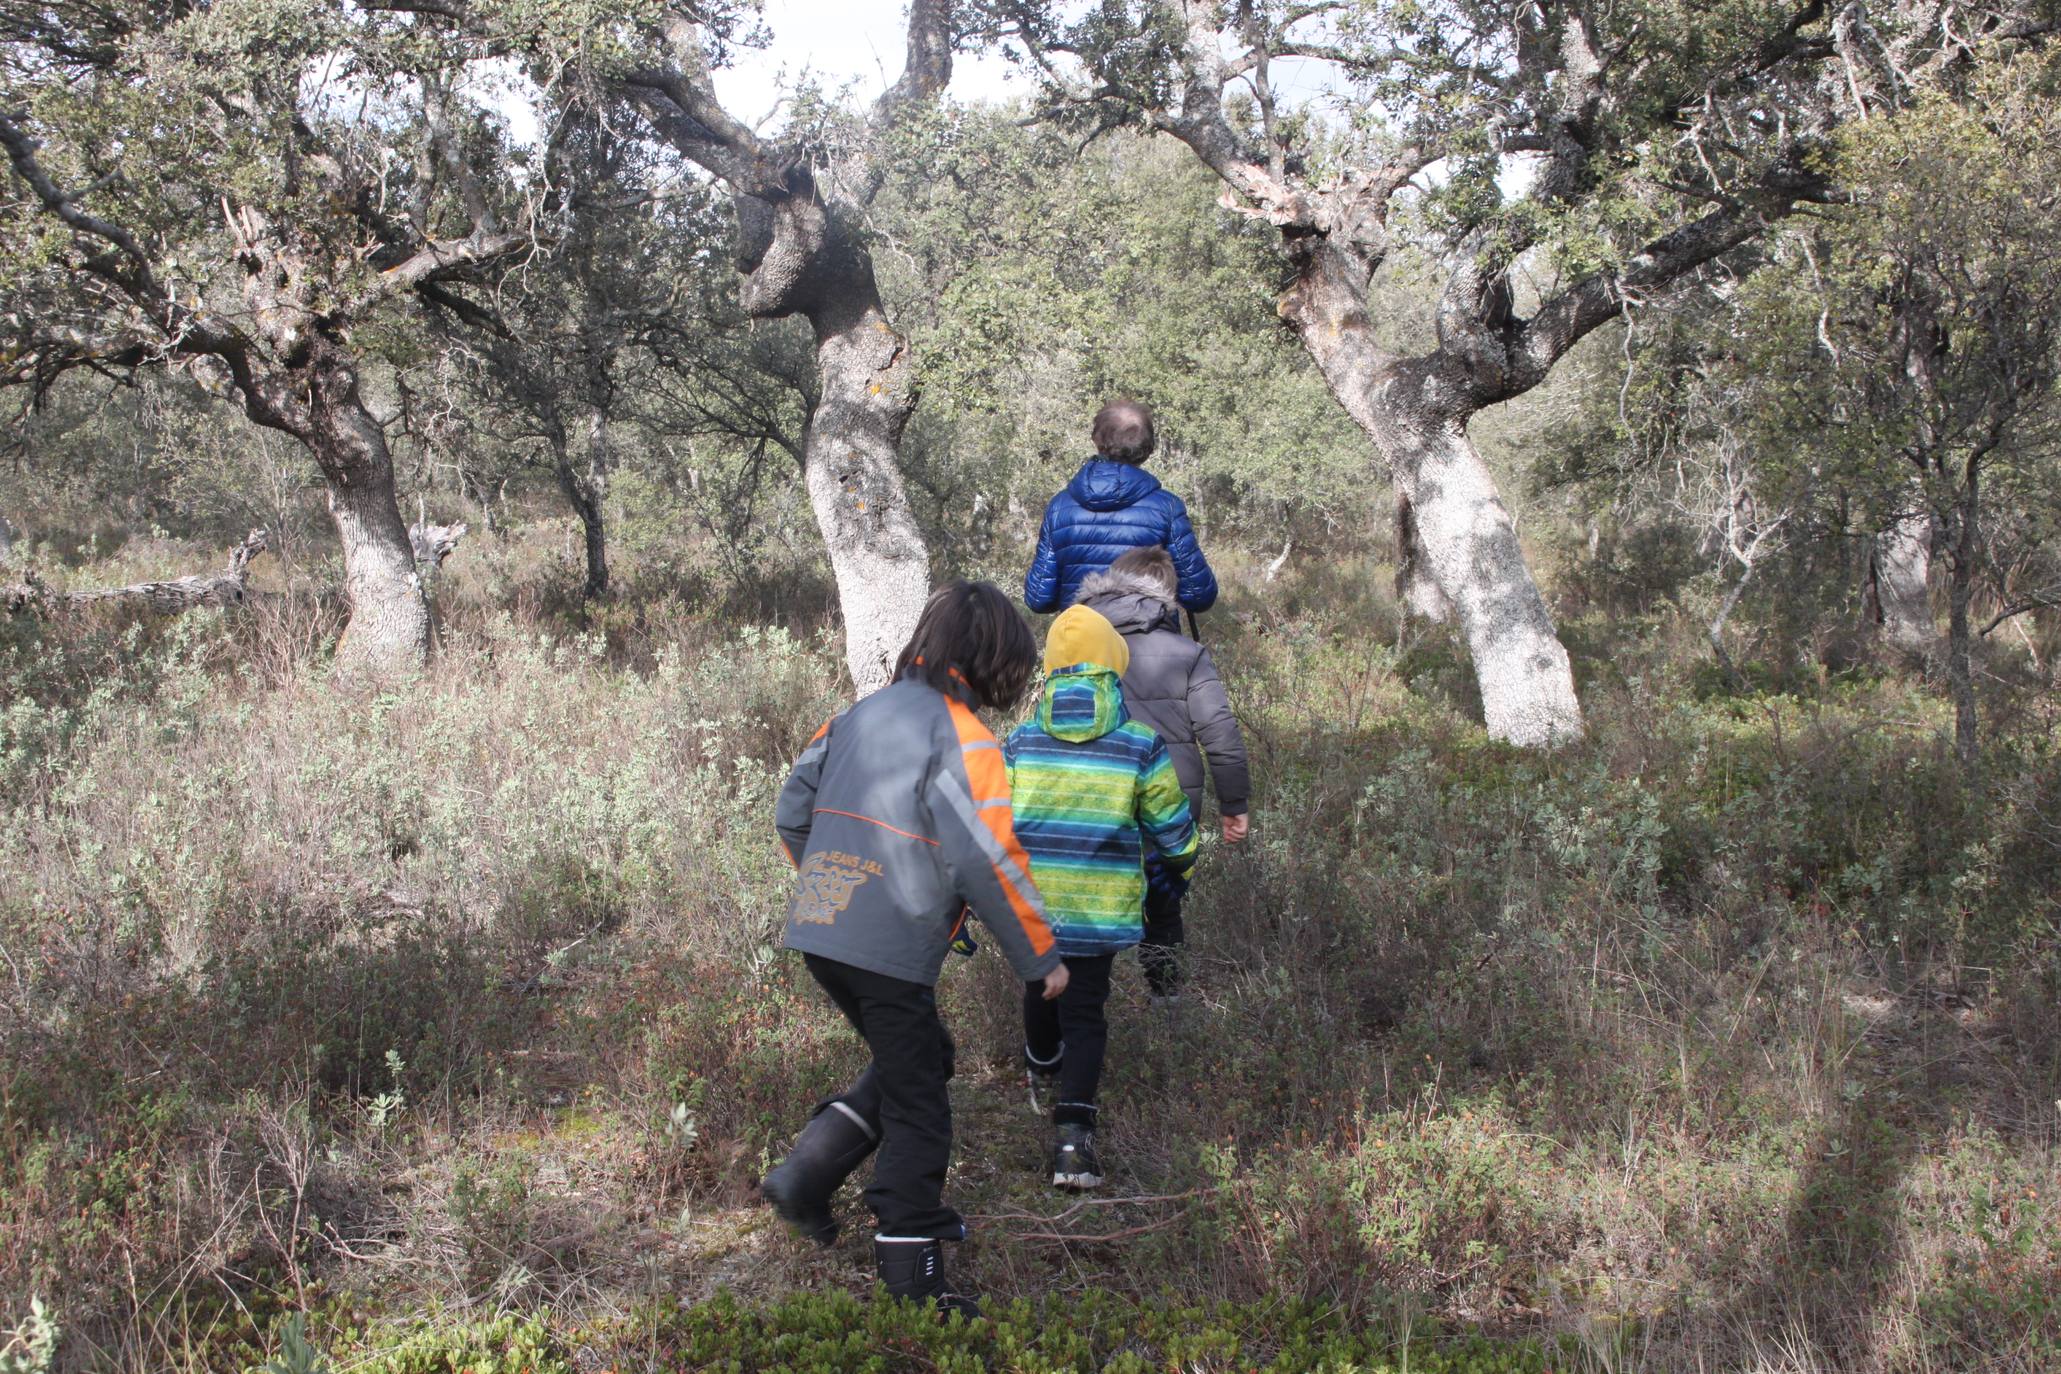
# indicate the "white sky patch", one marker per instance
pixel 860 43
pixel 863 44
pixel 858 47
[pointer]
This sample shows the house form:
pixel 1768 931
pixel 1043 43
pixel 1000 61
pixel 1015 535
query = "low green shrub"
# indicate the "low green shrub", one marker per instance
pixel 506 1345
pixel 838 1333
pixel 1422 1200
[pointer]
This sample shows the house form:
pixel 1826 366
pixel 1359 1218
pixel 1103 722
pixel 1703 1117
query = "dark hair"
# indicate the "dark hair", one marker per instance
pixel 1149 561
pixel 1123 431
pixel 973 629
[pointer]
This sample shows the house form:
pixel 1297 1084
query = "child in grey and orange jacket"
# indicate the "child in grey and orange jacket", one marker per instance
pixel 897 817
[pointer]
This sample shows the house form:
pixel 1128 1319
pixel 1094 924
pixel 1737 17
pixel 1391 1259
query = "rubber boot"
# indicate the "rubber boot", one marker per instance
pixel 914 1267
pixel 800 1187
pixel 1075 1165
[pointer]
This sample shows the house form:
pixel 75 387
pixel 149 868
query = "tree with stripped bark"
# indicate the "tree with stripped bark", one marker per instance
pixel 259 194
pixel 802 201
pixel 1559 163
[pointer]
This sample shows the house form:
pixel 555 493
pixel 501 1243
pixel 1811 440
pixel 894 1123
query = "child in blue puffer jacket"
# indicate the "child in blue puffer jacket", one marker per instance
pixel 1111 506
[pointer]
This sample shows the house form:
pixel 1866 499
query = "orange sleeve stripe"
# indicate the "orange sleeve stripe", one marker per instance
pixel 987 780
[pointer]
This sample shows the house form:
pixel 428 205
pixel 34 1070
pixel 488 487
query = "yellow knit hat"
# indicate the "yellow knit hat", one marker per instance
pixel 1084 636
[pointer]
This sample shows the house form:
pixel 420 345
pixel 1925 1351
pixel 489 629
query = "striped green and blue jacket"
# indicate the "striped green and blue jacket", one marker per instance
pixel 1092 790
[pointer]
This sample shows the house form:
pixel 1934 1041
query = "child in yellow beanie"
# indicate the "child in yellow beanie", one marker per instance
pixel 1093 791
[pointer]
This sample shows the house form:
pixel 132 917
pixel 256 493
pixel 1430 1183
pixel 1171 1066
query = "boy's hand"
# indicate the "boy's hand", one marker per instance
pixel 1236 828
pixel 1055 982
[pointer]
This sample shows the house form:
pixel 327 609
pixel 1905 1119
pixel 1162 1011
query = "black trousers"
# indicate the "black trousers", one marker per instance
pixel 902 1093
pixel 1077 1024
pixel 1159 953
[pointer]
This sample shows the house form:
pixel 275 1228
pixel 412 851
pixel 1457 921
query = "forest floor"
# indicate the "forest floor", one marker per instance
pixel 614 1252
pixel 449 1022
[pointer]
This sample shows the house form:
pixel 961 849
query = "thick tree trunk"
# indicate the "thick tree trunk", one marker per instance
pixel 800 256
pixel 1414 585
pixel 802 251
pixel 1460 546
pixel 1899 596
pixel 1467 545
pixel 388 632
pixel 586 493
pixel 855 487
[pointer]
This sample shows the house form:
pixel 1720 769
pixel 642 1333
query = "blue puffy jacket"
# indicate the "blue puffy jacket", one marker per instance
pixel 1108 509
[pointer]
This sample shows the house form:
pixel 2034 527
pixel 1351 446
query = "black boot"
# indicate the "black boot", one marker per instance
pixel 914 1267
pixel 834 1142
pixel 1162 965
pixel 1075 1165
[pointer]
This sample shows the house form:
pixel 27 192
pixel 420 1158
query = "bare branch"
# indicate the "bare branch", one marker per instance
pixel 679 99
pixel 184 331
pixel 446 261
pixel 1563 320
pixel 2043 602
pixel 21 152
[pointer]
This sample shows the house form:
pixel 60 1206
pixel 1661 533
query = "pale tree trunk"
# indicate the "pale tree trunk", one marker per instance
pixel 801 257
pixel 855 487
pixel 1414 585
pixel 802 252
pixel 388 631
pixel 1469 550
pixel 1460 549
pixel 1899 594
pixel 598 462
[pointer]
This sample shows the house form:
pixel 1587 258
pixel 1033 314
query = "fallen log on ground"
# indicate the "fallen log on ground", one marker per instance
pixel 230 587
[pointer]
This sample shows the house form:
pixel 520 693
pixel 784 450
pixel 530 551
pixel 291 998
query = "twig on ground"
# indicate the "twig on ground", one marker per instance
pixel 1050 1235
pixel 1099 1237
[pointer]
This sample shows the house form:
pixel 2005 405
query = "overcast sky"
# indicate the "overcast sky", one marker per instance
pixel 861 45
pixel 865 41
pixel 843 40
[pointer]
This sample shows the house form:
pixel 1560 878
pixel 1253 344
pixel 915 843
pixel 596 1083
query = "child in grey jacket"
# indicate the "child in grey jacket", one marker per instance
pixel 897 817
pixel 1172 685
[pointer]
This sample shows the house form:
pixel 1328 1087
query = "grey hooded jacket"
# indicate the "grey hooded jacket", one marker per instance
pixel 897 817
pixel 1172 686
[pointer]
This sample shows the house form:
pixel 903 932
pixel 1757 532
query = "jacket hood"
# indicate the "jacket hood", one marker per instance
pixel 1081 703
pixel 1103 484
pixel 1085 636
pixel 1131 603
